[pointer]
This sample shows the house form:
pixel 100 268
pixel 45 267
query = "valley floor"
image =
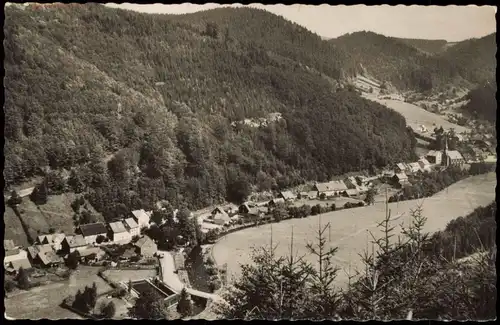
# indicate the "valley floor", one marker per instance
pixel 350 228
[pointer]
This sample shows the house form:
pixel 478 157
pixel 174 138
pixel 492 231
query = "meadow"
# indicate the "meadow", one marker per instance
pixel 44 302
pixel 350 228
pixel 416 116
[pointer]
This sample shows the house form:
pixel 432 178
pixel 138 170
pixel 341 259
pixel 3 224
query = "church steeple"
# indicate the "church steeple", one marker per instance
pixel 445 151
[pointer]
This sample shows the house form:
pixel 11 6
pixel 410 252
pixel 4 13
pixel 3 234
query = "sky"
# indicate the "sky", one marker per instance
pixel 452 23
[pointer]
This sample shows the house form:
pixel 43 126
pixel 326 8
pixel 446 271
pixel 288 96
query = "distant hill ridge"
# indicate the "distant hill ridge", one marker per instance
pixel 421 65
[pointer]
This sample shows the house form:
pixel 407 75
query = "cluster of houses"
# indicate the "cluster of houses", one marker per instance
pixel 49 249
pixel 228 214
pixel 259 122
pixel 432 159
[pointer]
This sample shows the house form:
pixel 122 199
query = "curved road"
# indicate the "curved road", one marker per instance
pixel 171 279
pixel 350 228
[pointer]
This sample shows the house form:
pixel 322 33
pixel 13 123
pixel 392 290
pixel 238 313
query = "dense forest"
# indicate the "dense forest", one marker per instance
pixel 129 108
pixel 407 66
pixel 482 102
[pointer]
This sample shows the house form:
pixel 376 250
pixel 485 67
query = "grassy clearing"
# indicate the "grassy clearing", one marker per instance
pixel 117 275
pixel 43 302
pixel 349 228
pixel 56 213
pixel 416 116
pixel 13 228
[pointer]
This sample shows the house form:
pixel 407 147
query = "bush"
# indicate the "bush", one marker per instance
pixel 333 207
pixel 119 292
pixel 9 285
pixel 348 205
pixel 360 204
pixel 214 285
pixel 211 270
pixel 108 311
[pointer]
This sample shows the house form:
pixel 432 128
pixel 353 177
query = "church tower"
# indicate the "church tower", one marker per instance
pixel 444 159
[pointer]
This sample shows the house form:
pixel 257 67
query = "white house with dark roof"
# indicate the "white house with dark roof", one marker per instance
pixel 73 243
pixel 55 240
pixel 132 227
pixel 401 178
pixel 329 189
pixel 288 196
pixel 119 232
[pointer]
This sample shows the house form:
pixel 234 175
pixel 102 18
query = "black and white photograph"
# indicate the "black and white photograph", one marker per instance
pixel 249 161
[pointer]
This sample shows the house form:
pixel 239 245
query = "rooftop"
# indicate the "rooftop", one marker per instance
pixel 76 241
pixel 453 154
pixel 287 195
pixel 131 223
pixel 17 264
pixel 142 241
pixel 93 229
pixel 117 227
pixel 331 186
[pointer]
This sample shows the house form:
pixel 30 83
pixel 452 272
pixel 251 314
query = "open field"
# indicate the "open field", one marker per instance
pixel 117 275
pixel 13 228
pixel 416 116
pixel 349 228
pixel 56 213
pixel 43 302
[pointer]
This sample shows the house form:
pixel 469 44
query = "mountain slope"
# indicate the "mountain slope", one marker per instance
pixel 406 65
pixel 140 106
pixel 424 45
pixel 475 58
pixel 482 102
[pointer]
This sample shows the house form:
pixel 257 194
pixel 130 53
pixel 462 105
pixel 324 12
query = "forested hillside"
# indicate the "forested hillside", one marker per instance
pixel 139 106
pixel 407 65
pixel 474 58
pixel 482 102
pixel 424 45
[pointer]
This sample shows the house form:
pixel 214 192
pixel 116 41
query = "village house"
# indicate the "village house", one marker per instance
pixel 55 240
pixel 414 167
pixel 401 179
pixel 15 257
pixel 401 168
pixel 453 158
pixel 350 192
pixel 34 250
pixel 276 201
pixel 142 217
pixel 132 227
pixel 288 196
pixel 91 255
pixel 91 231
pixel 219 216
pixel 351 182
pixel 251 211
pixel 12 267
pixel 333 188
pixel 49 258
pixel 146 247
pixel 119 233
pixel 73 243
pixel 311 195
pixel 425 165
pixel 434 157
